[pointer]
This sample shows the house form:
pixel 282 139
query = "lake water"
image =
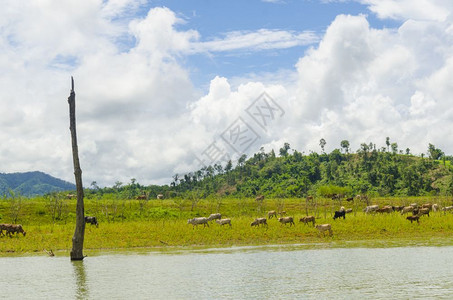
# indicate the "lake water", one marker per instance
pixel 277 272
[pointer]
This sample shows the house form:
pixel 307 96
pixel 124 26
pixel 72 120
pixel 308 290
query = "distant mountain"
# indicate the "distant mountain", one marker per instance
pixel 32 184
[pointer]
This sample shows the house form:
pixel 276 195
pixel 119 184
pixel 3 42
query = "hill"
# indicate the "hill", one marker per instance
pixel 377 172
pixel 371 171
pixel 32 184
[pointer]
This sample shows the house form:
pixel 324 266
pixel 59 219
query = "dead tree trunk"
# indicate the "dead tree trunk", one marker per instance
pixel 79 234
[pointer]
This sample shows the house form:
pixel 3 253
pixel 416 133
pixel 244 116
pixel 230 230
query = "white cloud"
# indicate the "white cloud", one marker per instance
pixel 432 10
pixel 262 39
pixel 364 84
pixel 140 117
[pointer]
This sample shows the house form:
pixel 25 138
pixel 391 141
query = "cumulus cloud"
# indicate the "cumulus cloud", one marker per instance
pixel 432 10
pixel 139 115
pixel 364 84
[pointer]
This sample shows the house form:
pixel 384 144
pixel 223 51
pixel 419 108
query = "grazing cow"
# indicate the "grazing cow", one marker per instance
pixel 70 196
pixel 339 214
pixel 323 228
pixel 407 209
pixel 259 221
pixel 350 199
pixel 447 208
pixel 91 220
pixel 160 196
pixel 427 205
pixel 414 205
pixel 224 222
pixel 386 209
pixel 259 198
pixel 309 198
pixel 308 219
pixel 413 218
pixel 363 198
pixel 371 208
pixel 198 221
pixel 349 210
pixel 398 208
pixel 286 220
pixel 282 213
pixel 142 197
pixel 271 214
pixel 421 211
pixel 216 216
pixel 13 228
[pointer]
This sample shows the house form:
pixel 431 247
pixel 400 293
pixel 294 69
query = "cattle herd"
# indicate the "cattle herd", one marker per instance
pixel 417 211
pixel 11 229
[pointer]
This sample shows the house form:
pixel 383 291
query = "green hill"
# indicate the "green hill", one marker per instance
pixel 32 183
pixel 376 172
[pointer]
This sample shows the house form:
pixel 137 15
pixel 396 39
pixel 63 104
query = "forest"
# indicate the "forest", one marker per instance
pixel 379 172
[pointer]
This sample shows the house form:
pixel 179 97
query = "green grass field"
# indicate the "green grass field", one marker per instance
pixel 162 224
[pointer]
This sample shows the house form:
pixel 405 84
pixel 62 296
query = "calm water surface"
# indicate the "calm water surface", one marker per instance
pixel 236 273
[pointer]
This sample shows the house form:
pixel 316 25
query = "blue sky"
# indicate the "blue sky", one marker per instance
pixel 214 19
pixel 160 82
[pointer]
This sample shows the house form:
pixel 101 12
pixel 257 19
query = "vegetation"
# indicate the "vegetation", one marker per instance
pixel 124 224
pixel 131 216
pixel 380 172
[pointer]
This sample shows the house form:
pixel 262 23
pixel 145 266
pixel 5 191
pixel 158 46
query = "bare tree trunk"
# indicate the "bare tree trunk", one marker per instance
pixel 79 234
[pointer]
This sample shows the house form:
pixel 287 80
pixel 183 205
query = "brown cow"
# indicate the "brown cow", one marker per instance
pixel 259 198
pixel 259 221
pixel 271 214
pixel 308 219
pixel 413 218
pixel 142 196
pixel 13 228
pixel 398 208
pixel 421 211
pixel 427 205
pixel 386 209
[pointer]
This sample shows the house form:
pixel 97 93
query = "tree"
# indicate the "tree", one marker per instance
pixel 394 147
pixel 322 143
pixel 229 166
pixel 284 149
pixel 387 142
pixel 434 153
pixel 79 233
pixel 242 160
pixel 345 145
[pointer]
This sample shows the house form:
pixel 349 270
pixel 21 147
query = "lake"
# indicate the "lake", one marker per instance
pixel 277 272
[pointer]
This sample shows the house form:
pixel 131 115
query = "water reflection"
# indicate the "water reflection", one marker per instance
pixel 239 273
pixel 81 279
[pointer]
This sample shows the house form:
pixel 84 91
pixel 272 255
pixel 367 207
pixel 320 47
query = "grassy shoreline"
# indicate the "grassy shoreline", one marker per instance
pixel 128 225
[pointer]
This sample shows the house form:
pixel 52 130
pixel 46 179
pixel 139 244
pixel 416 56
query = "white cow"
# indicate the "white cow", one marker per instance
pixel 324 227
pixel 198 221
pixel 371 208
pixel 224 222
